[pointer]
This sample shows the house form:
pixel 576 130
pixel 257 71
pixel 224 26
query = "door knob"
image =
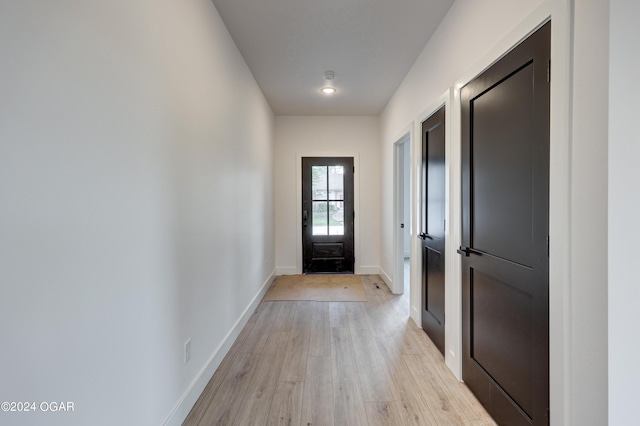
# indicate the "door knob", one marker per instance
pixel 424 236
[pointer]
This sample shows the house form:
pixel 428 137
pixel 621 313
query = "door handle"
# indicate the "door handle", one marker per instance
pixel 424 236
pixel 468 251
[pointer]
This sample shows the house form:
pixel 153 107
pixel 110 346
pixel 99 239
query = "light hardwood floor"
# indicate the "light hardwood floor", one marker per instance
pixel 336 363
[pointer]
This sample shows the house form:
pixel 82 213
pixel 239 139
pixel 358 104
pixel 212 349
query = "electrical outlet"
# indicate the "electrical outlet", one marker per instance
pixel 187 350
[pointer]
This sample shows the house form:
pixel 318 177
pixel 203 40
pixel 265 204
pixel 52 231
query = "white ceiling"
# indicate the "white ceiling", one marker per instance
pixel 369 44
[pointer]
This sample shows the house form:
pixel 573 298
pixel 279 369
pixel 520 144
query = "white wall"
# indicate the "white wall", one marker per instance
pixel 136 212
pixel 300 136
pixel 587 307
pixel 624 211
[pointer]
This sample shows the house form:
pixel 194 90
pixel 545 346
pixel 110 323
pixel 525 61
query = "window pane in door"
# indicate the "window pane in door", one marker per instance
pixel 336 217
pixel 320 218
pixel 319 182
pixel 336 183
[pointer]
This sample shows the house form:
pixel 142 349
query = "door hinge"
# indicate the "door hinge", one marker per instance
pixel 548 417
pixel 549 71
pixel 354 169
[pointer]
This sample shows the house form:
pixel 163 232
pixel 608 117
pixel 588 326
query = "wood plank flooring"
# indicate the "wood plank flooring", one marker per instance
pixel 336 363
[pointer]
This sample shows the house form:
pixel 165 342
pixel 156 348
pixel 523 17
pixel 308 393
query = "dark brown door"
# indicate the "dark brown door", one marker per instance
pixel 327 215
pixel 505 211
pixel 433 227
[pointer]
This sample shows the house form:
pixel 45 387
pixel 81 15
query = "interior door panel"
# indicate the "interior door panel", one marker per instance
pixel 327 215
pixel 505 210
pixel 433 227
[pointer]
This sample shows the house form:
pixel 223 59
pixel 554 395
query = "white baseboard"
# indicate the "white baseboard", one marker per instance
pixel 189 398
pixel 385 277
pixel 287 270
pixel 368 270
pixel 363 270
pixel 416 316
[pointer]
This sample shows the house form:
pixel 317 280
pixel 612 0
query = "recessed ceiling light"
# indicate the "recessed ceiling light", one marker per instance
pixel 329 90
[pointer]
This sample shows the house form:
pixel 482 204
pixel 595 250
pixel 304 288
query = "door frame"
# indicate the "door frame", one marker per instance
pixel 356 205
pixel 399 149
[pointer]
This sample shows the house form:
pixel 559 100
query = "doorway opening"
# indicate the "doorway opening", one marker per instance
pixel 402 216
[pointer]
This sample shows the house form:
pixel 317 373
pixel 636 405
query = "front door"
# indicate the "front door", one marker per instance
pixel 433 227
pixel 505 228
pixel 327 215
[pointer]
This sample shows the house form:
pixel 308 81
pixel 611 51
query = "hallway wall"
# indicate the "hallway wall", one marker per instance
pixel 327 136
pixel 136 204
pixel 469 31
